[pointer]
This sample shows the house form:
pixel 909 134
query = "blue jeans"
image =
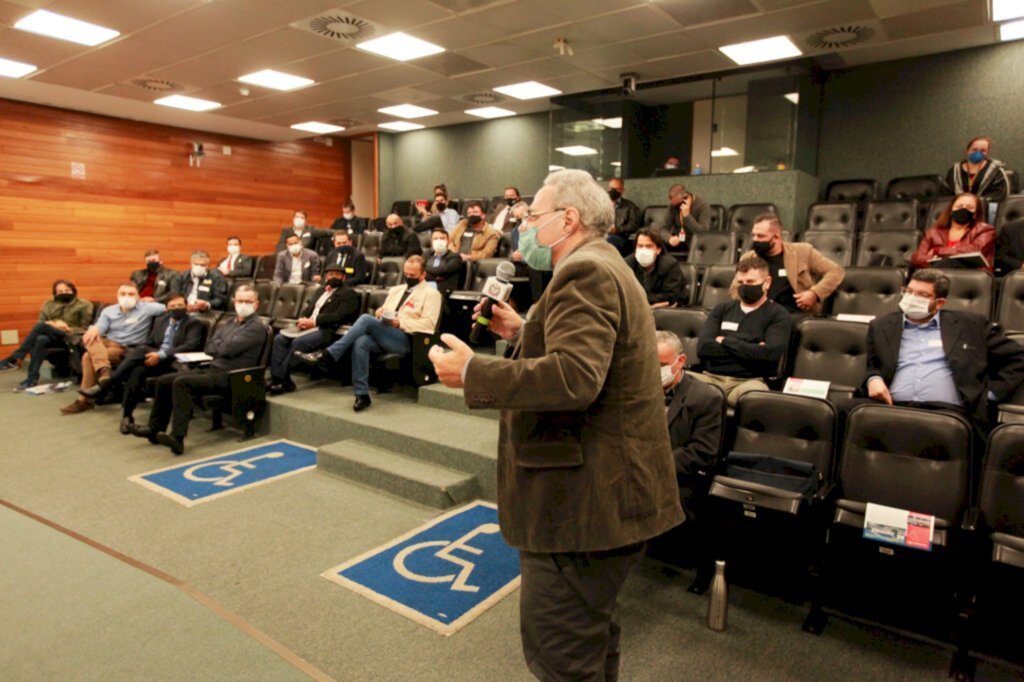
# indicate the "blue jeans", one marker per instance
pixel 282 358
pixel 368 335
pixel 39 339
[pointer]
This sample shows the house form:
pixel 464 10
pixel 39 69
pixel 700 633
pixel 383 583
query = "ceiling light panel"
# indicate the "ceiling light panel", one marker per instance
pixel 400 46
pixel 490 112
pixel 400 126
pixel 407 111
pixel 12 69
pixel 318 127
pixel 576 150
pixel 1013 30
pixel 53 25
pixel 527 90
pixel 609 122
pixel 187 103
pixel 1007 9
pixel 765 50
pixel 793 97
pixel 275 80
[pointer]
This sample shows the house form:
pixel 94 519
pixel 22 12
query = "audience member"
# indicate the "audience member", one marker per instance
pixel 658 272
pixel 444 267
pixel 671 163
pixel 333 305
pixel 398 240
pixel 627 217
pixel 120 327
pixel 501 214
pixel 409 308
pixel 235 264
pixel 959 230
pixel 978 174
pixel 154 282
pixel 297 264
pixel 1010 247
pixel 743 340
pixel 349 222
pixel 802 278
pixel 204 289
pixel 352 261
pixel 439 214
pixel 473 238
pixel 686 215
pixel 307 234
pixel 60 318
pixel 236 344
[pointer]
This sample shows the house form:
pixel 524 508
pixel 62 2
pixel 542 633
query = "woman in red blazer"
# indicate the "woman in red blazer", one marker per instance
pixel 958 230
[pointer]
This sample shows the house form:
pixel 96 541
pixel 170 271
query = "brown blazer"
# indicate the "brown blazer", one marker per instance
pixel 806 268
pixel 485 242
pixel 584 459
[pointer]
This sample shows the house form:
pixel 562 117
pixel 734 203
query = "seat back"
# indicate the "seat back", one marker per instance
pixel 1001 499
pixel 907 458
pixel 836 246
pixel 741 216
pixel 1013 178
pixel 375 299
pixel 484 268
pixel 264 270
pixel 836 216
pixel 830 350
pixel 715 287
pixel 208 320
pixel 688 294
pixel 370 244
pixel 654 216
pixel 267 291
pixel 895 214
pixel 1010 311
pixel 789 426
pixel 712 248
pixel 924 188
pixel 504 247
pixel 403 207
pixel 390 271
pixel 717 217
pixel 684 323
pixel 1011 208
pixel 287 301
pixel 892 247
pixel 868 291
pixel 970 291
pixel 937 206
pixel 425 242
pixel 856 191
pixel 465 203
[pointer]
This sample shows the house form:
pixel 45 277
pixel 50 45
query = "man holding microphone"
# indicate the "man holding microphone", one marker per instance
pixel 585 469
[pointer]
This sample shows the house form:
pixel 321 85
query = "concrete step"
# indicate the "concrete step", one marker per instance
pixel 441 397
pixel 397 474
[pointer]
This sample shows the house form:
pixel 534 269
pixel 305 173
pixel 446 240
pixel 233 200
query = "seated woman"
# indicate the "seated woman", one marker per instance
pixel 658 272
pixel 978 174
pixel 960 230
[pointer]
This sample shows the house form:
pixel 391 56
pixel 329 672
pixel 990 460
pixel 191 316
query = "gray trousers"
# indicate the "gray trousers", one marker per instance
pixel 566 612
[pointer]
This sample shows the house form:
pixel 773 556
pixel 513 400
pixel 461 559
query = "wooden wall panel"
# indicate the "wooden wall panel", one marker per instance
pixel 140 193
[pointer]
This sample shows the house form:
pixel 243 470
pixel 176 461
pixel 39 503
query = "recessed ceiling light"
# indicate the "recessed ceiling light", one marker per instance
pixel 490 112
pixel 1007 9
pixel 407 111
pixel 189 103
pixel 527 90
pixel 1013 30
pixel 275 80
pixel 576 150
pixel 724 151
pixel 54 25
pixel 400 126
pixel 12 69
pixel 318 127
pixel 765 50
pixel 400 46
pixel 793 97
pixel 552 168
pixel 608 122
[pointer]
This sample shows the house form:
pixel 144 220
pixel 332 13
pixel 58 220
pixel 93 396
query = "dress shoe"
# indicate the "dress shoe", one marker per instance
pixel 126 425
pixel 140 431
pixel 317 359
pixel 275 389
pixel 7 365
pixel 77 407
pixel 176 446
pixel 361 403
pixel 95 392
pixel 103 377
pixel 289 386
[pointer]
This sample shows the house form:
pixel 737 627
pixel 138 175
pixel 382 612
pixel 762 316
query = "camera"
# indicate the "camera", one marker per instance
pixel 629 84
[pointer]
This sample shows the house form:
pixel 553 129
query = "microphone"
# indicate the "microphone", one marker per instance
pixel 497 288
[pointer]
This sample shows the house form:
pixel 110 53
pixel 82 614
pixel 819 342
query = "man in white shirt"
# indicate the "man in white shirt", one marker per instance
pixel 501 215
pixel 204 289
pixel 235 264
pixel 296 264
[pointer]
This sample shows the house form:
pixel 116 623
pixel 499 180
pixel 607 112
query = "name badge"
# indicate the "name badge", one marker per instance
pixel 207 281
pixel 132 320
pixel 782 272
pixel 350 271
pixel 204 288
pixel 730 326
pixel 935 343
pixel 306 264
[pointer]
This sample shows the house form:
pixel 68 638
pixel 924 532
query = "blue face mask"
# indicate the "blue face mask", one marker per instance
pixel 976 157
pixel 535 254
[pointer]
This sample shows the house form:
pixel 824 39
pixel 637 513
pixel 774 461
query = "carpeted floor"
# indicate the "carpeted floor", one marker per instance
pixel 71 612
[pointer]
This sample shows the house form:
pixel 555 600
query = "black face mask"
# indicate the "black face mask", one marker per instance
pixel 964 216
pixel 511 202
pixel 474 220
pixel 64 298
pixel 152 267
pixel 615 194
pixel 762 249
pixel 412 281
pixel 335 282
pixel 751 293
pixel 177 313
pixel 441 206
pixel 345 249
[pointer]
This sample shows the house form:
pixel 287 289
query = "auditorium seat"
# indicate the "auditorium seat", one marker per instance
pixel 265 265
pixel 287 301
pixel 868 291
pixel 504 247
pixel 1011 208
pixel 375 299
pixel 1010 309
pixel 832 217
pixel 654 216
pixel 390 271
pixel 246 400
pixel 970 291
pixel 426 243
pixel 481 270
pixel 712 248
pixel 688 295
pixel 717 217
pixel 267 291
pixel 889 247
pixel 833 351
pixel 859 192
pixel 1001 502
pixel 404 207
pixel 924 188
pixel 1014 179
pixel 714 288
pixel 370 244
pixel 936 207
pixel 741 216
pixel 836 246
pixel 895 214
pixel 684 323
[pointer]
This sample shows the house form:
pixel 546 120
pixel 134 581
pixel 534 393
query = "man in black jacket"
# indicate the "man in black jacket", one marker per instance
pixel 204 288
pixel 237 344
pixel 1010 247
pixel 349 222
pixel 236 264
pixel 444 267
pixel 627 217
pixel 308 235
pixel 658 272
pixel 686 215
pixel 397 240
pixel 352 262
pixel 154 282
pixel 333 305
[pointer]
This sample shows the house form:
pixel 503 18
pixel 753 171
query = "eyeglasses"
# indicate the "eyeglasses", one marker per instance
pixel 531 216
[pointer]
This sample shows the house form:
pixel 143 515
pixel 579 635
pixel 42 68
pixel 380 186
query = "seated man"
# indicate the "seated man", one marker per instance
pixel 501 214
pixel 172 333
pixel 473 238
pixel 60 318
pixel 296 264
pixel 409 308
pixel 204 289
pixel 235 264
pixel 444 267
pixel 1010 247
pixel 743 341
pixel 237 344
pixel 398 240
pixel 627 217
pixel 658 273
pixel 352 262
pixel 154 282
pixel 120 327
pixel 686 215
pixel 307 234
pixel 349 222
pixel 333 305
pixel 802 278
pixel 439 215
pixel 928 357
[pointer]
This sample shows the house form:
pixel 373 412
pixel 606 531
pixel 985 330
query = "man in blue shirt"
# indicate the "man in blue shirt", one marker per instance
pixel 120 327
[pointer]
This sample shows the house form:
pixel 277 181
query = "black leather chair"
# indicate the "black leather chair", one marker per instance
pixel 909 459
pixel 688 296
pixel 390 271
pixel 653 216
pixel 1011 410
pixel 896 214
pixel 970 291
pixel 504 247
pixel 832 217
pixel 868 291
pixel 370 245
pixel 484 203
pixel 267 292
pixel 287 301
pixel 1014 179
pixel 924 188
pixel 937 206
pixel 858 191
pixel 426 243
pixel 717 217
pixel 482 269
pixel 712 248
pixel 1010 309
pixel 403 207
pixel 833 351
pixel 741 216
pixel 1011 208
pixel 836 246
pixel 887 248
pixel 684 323
pixel 264 270
pixel 714 288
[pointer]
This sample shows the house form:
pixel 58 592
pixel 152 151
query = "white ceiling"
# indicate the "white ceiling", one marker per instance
pixel 202 46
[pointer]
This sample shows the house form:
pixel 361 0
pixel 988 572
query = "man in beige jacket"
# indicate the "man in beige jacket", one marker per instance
pixel 473 238
pixel 585 468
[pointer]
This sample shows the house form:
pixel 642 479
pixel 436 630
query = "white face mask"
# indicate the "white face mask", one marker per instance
pixel 245 309
pixel 295 249
pixel 668 376
pixel 199 271
pixel 645 256
pixel 440 246
pixel 234 249
pixel 348 215
pixel 127 302
pixel 915 307
pixel 298 223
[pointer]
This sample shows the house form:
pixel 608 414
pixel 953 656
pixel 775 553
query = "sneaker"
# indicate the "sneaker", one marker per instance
pixel 25 385
pixel 7 365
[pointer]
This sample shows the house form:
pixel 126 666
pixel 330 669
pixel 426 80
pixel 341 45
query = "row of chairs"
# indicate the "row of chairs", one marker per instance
pixel 737 218
pixel 921 187
pixel 406 208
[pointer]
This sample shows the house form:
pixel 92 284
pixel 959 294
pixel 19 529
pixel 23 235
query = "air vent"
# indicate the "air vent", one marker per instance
pixel 346 122
pixel 338 25
pixel 838 37
pixel 484 98
pixel 155 84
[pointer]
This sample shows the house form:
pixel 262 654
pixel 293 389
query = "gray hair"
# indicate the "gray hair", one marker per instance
pixel 519 209
pixel 244 289
pixel 670 340
pixel 201 255
pixel 577 189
